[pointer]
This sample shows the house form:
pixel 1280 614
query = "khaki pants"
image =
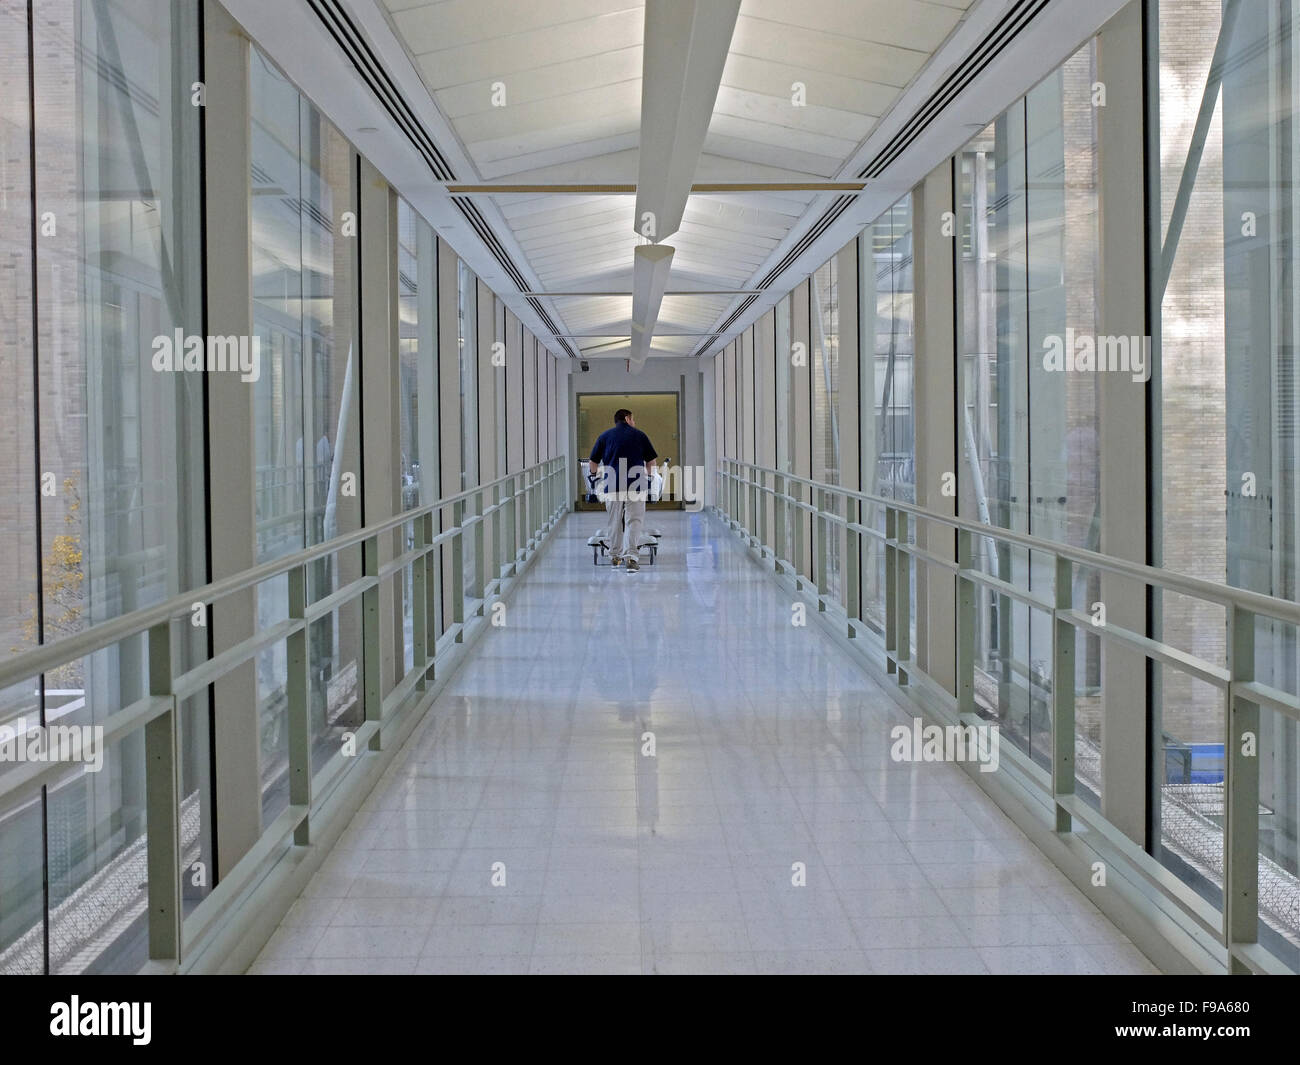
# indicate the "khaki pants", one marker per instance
pixel 622 544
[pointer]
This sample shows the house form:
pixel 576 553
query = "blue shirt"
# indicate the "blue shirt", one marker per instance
pixel 623 448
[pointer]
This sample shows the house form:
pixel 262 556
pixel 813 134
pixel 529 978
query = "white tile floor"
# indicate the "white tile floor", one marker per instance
pixel 771 748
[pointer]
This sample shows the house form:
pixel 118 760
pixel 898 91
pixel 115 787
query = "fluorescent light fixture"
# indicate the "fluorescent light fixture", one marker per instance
pixel 651 264
pixel 686 46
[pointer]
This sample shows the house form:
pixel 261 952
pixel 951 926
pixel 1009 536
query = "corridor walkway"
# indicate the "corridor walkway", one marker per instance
pixel 771 748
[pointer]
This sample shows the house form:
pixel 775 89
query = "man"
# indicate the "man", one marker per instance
pixel 624 451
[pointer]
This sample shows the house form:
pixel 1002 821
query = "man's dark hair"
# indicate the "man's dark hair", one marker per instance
pixel 621 415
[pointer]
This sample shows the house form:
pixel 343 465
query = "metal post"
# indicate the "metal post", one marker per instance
pixel 515 491
pixel 903 593
pixel 778 517
pixel 433 599
pixel 530 486
pixel 852 559
pixel 735 492
pixel 1063 639
pixel 162 805
pixel 966 621
pixel 498 497
pixel 371 650
pixel 298 687
pixel 796 494
pixel 820 567
pixel 480 550
pixel 458 570
pixel 420 615
pixel 891 590
pixel 1241 791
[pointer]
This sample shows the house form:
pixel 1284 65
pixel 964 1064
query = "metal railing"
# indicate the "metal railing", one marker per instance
pixel 521 508
pixel 747 489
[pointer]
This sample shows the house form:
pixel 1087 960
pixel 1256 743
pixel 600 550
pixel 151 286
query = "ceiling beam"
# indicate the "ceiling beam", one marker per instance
pixel 699 188
pixel 671 292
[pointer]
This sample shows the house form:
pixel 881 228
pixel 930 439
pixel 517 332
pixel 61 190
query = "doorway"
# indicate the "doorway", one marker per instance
pixel 657 414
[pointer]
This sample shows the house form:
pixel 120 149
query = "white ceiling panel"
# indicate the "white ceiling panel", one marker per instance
pixel 571 74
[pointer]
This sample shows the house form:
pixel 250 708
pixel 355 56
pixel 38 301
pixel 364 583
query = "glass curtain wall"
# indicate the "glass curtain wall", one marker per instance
pixel 1226 407
pixel 101 454
pixel 1027 280
pixel 306 413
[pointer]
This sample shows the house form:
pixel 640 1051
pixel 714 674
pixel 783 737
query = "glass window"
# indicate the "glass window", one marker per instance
pixel 826 372
pixel 306 414
pixel 102 453
pixel 1027 278
pixel 417 386
pixel 408 352
pixel 1228 490
pixel 891 245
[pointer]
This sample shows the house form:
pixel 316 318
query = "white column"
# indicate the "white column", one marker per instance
pixel 449 415
pixel 934 382
pixel 380 425
pixel 848 414
pixel 801 413
pixel 230 441
pixel 1122 417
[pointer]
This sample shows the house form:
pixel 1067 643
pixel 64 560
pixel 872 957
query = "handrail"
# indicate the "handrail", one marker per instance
pixel 25 665
pixel 1171 580
pixel 1237 921
pixel 524 507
